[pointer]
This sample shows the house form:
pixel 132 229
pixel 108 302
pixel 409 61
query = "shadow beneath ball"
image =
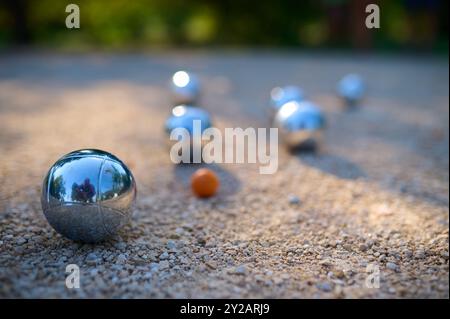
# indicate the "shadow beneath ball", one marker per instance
pixel 350 107
pixel 229 183
pixel 307 147
pixel 331 164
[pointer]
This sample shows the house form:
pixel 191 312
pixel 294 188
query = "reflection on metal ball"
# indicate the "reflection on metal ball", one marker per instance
pixel 281 95
pixel 185 88
pixel 351 88
pixel 187 117
pixel 299 124
pixel 183 116
pixel 87 195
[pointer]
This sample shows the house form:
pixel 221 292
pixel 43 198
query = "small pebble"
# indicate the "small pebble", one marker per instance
pixel 324 286
pixel 293 199
pixel 347 247
pixel 120 245
pixel 392 266
pixel 21 241
pixel 240 270
pixel 164 255
pixel 420 254
pixel 92 259
pixel 121 259
pixel 163 265
pixel 363 248
pixel 211 264
pixel 392 290
pixel 171 244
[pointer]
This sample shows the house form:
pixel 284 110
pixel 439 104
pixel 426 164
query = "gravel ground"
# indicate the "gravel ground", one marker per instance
pixel 375 193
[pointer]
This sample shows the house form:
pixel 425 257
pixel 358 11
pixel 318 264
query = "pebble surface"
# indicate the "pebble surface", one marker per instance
pixel 375 196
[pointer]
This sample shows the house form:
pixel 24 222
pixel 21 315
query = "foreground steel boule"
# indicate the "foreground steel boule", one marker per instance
pixel 87 195
pixel 299 124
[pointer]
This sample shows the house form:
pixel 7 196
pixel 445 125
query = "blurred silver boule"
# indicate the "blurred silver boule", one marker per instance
pixel 183 116
pixel 281 95
pixel 351 88
pixel 299 124
pixel 87 195
pixel 185 88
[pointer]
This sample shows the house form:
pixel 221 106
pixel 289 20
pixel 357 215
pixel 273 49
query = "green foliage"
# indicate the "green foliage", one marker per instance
pixel 154 23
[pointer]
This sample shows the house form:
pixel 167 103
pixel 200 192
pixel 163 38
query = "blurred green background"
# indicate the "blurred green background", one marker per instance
pixel 124 24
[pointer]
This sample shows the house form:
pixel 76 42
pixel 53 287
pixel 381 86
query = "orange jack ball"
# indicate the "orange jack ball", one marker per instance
pixel 204 182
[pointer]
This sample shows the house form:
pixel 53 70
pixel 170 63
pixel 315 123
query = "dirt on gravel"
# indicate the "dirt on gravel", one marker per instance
pixel 373 199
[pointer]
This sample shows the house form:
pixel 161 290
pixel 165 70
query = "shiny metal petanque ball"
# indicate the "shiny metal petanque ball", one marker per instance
pixel 184 116
pixel 300 124
pixel 87 195
pixel 351 88
pixel 281 95
pixel 185 88
pixel 193 120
